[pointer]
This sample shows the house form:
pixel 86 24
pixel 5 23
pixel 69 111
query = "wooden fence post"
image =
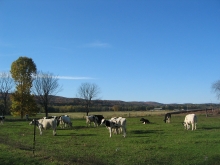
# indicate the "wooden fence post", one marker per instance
pixel 34 135
pixel 206 112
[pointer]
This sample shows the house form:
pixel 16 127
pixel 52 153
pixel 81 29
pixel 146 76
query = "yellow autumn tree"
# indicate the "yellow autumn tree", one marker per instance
pixel 23 102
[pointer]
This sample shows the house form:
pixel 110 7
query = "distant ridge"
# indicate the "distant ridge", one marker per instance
pixel 66 100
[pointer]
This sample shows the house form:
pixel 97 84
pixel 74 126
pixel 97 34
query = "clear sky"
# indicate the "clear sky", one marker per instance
pixel 166 51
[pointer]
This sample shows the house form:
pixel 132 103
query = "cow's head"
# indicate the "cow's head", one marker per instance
pixel 184 123
pixel 142 119
pixel 33 122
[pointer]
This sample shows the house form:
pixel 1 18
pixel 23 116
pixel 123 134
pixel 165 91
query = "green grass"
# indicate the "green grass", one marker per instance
pixel 156 143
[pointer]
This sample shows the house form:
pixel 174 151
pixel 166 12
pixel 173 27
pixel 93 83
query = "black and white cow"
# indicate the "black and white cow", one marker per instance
pixel 144 121
pixel 110 125
pixel 92 119
pixel 65 121
pixel 167 118
pixel 45 124
pixel 2 118
pixel 116 125
pixel 99 117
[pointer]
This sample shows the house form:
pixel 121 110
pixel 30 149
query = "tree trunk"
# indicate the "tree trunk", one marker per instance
pixel 46 110
pixel 87 110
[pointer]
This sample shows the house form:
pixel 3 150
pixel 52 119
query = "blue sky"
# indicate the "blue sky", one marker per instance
pixel 166 51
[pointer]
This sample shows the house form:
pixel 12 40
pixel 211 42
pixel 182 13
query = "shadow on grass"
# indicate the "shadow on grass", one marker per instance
pixel 15 120
pixel 145 133
pixel 209 128
pixel 75 134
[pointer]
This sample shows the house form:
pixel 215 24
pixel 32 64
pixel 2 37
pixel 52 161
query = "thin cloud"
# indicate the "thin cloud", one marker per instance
pixel 73 78
pixel 98 44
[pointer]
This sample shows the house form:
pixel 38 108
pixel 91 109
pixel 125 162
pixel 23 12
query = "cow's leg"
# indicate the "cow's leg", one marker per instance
pixel 40 130
pixel 54 132
pixel 193 126
pixel 110 131
pixel 188 126
pixel 123 131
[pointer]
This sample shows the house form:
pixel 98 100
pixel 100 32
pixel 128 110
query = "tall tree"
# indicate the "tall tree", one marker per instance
pixel 45 86
pixel 216 88
pixel 22 71
pixel 88 92
pixel 6 85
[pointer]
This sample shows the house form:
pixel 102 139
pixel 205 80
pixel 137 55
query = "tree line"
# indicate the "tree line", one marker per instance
pixel 25 90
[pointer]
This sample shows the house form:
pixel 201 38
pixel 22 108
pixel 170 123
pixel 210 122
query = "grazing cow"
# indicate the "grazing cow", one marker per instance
pixel 53 117
pixel 110 125
pixel 91 119
pixel 190 119
pixel 65 121
pixel 118 127
pixel 99 117
pixel 2 118
pixel 45 124
pixel 144 121
pixel 167 118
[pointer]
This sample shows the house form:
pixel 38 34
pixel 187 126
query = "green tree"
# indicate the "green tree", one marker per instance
pixel 22 71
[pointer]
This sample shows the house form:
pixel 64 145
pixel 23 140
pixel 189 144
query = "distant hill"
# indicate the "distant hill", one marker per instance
pixel 74 101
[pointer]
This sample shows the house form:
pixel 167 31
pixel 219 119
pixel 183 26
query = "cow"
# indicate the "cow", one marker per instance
pixel 2 118
pixel 53 117
pixel 144 121
pixel 110 125
pixel 167 118
pixel 91 119
pixel 190 119
pixel 120 125
pixel 99 117
pixel 65 121
pixel 45 124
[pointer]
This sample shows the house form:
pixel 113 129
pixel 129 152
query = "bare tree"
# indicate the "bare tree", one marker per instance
pixel 6 85
pixel 45 86
pixel 216 88
pixel 88 92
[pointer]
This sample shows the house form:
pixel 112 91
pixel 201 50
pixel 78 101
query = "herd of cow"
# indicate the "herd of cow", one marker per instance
pixel 190 119
pixel 115 125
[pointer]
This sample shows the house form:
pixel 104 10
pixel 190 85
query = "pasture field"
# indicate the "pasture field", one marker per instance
pixel 155 143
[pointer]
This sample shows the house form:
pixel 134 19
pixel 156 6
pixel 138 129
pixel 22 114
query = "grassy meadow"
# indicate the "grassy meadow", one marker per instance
pixel 155 143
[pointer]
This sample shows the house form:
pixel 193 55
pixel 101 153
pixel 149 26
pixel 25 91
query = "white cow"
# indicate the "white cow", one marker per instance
pixel 65 121
pixel 92 119
pixel 45 124
pixel 190 119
